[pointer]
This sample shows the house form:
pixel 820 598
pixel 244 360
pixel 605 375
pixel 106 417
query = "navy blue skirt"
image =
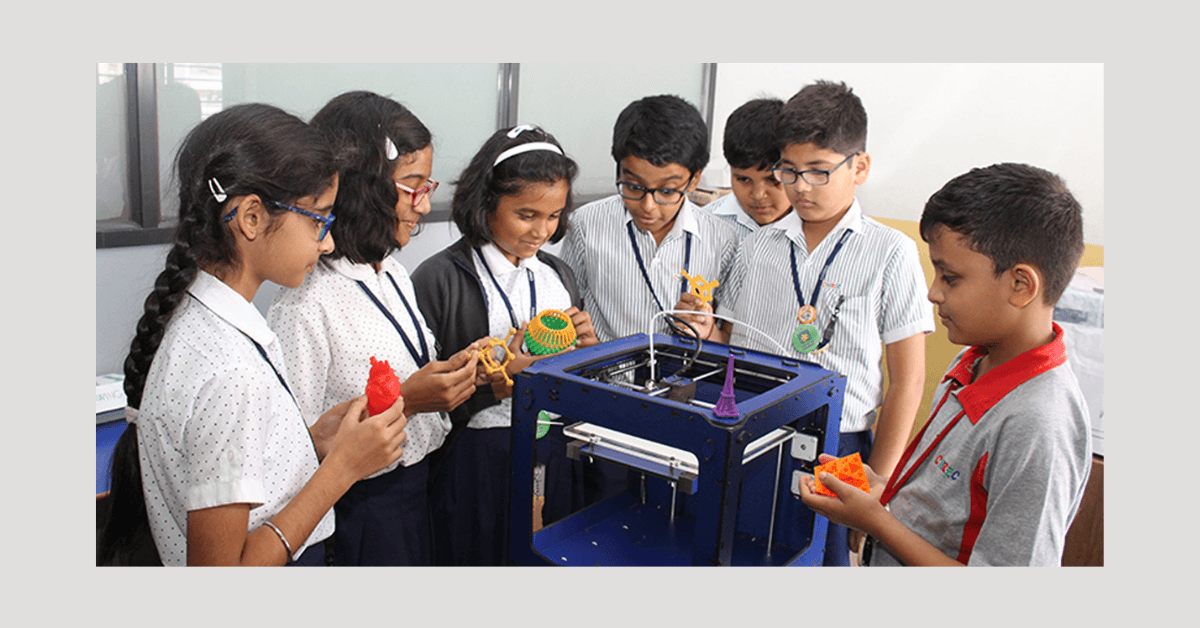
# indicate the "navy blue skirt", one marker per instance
pixel 313 556
pixel 384 521
pixel 469 498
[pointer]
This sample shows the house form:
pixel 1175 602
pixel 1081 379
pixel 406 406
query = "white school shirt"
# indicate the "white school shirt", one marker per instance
pixel 614 291
pixel 216 426
pixel 329 330
pixel 878 272
pixel 514 280
pixel 728 208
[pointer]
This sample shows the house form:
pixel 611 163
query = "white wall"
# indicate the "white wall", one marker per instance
pixel 928 123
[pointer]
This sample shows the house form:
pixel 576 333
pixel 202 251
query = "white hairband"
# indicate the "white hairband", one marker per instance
pixel 525 148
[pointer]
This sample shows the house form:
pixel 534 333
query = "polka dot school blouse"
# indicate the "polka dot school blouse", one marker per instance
pixel 216 425
pixel 330 328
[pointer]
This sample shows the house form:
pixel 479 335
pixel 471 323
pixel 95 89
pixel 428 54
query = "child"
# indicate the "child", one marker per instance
pixel 628 249
pixel 833 286
pixel 1002 487
pixel 511 200
pixel 231 473
pixel 358 304
pixel 758 199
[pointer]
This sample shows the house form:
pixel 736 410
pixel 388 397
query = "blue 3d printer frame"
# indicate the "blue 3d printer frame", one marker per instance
pixel 703 490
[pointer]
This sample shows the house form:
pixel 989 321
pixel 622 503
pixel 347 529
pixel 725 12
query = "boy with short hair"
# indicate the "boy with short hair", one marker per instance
pixel 627 250
pixel 829 285
pixel 1002 486
pixel 758 198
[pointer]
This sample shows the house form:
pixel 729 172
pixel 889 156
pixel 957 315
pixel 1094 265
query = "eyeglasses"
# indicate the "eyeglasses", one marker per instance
pixel 321 222
pixel 787 176
pixel 662 196
pixel 420 193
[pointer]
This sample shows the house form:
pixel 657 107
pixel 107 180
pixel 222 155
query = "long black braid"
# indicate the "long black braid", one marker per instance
pixel 246 149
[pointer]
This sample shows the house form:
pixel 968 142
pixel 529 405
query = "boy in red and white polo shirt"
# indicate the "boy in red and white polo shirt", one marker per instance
pixel 996 475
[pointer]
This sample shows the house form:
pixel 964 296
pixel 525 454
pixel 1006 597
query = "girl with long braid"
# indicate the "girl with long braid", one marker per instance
pixel 230 473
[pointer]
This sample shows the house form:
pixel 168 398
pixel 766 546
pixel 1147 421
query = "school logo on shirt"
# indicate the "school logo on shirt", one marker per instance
pixel 943 465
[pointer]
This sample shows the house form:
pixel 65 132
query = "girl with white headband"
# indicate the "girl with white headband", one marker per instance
pixel 358 304
pixel 511 199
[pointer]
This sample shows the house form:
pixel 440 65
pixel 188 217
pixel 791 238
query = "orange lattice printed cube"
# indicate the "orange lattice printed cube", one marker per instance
pixel 848 469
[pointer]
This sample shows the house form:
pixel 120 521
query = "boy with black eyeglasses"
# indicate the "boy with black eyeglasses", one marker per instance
pixel 628 250
pixel 832 286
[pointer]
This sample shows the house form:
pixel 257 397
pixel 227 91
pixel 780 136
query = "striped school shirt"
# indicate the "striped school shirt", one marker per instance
pixel 877 271
pixel 728 208
pixel 597 248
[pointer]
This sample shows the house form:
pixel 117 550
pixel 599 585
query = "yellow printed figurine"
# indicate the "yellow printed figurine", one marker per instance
pixel 488 356
pixel 700 288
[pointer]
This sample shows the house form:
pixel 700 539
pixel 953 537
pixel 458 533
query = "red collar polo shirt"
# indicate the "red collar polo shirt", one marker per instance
pixel 996 475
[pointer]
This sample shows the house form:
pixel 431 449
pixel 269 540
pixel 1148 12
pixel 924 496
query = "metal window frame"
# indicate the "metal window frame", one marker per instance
pixel 145 225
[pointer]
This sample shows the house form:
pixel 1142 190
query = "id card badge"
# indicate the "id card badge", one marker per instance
pixel 806 338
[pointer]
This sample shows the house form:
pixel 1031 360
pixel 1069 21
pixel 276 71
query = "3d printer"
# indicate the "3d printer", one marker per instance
pixel 704 489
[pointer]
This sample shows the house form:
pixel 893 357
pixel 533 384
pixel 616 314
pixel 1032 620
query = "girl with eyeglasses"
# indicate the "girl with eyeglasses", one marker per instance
pixel 511 200
pixel 359 304
pixel 218 465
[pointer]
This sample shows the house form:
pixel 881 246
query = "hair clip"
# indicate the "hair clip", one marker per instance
pixel 392 151
pixel 219 192
pixel 517 130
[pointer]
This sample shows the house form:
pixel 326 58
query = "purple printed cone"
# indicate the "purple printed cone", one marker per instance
pixel 726 405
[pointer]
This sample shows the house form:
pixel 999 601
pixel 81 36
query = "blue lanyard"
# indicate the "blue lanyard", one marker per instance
pixel 421 358
pixel 278 375
pixel 512 315
pixel 820 277
pixel 263 353
pixel 687 263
